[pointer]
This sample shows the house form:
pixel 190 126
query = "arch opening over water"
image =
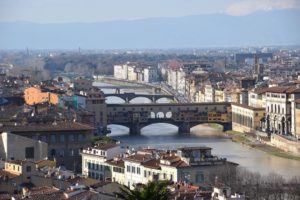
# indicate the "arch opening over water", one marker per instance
pixel 159 129
pixel 140 100
pixel 114 99
pixel 118 130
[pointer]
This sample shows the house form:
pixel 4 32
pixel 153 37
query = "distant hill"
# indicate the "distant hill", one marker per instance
pixel 261 28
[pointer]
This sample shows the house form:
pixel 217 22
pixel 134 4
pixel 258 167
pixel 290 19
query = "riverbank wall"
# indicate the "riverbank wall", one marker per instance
pixel 285 144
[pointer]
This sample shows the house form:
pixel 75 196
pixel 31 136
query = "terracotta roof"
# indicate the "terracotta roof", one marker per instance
pixel 260 90
pixel 83 181
pixel 297 101
pixel 105 146
pixel 153 164
pixel 7 174
pixel 138 158
pixel 169 157
pixel 194 148
pixel 18 162
pixel 247 107
pixel 117 163
pixel 290 90
pixel 178 164
pixel 60 126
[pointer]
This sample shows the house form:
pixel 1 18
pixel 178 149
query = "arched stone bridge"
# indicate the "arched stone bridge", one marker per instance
pixel 184 116
pixel 127 97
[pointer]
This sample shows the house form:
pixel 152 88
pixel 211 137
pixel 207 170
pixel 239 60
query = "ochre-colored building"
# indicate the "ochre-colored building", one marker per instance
pixel 35 95
pixel 297 118
pixel 246 118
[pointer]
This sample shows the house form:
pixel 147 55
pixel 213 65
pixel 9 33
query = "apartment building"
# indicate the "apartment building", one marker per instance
pixel 36 95
pixel 94 159
pixel 246 118
pixel 188 164
pixel 136 72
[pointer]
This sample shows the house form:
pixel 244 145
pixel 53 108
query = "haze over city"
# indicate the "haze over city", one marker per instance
pixel 150 100
pixel 148 24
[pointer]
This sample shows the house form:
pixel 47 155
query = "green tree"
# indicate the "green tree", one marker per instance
pixel 151 191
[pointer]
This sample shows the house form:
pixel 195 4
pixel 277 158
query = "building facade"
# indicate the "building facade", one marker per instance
pixel 35 95
pixel 64 139
pixel 16 147
pixel 246 118
pixel 191 165
pixel 94 159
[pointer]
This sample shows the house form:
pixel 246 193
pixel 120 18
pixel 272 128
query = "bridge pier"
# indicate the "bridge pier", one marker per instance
pixel 153 99
pixel 184 128
pixel 134 129
pixel 227 127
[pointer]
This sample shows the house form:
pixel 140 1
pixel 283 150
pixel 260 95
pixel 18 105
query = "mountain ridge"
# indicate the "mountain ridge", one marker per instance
pixel 195 31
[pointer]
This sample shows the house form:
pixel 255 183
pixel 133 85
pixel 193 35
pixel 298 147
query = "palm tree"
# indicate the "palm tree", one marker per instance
pixel 150 191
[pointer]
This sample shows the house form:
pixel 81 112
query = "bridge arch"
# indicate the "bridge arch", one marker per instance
pixel 161 99
pixel 119 129
pixel 112 99
pixel 164 129
pixel 138 98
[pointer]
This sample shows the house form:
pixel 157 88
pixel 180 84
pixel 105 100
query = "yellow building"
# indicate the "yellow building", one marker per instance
pixel 246 118
pixel 297 118
pixel 19 167
pixel 217 117
pixel 219 95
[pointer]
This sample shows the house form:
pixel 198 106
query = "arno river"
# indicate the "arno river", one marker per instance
pixel 165 136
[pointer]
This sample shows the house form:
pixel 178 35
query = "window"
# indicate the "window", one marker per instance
pixel 62 153
pixel 53 138
pixel 28 169
pixel 145 173
pixel 128 168
pixel 81 137
pixel 29 152
pixel 44 138
pixel 199 177
pixel 71 138
pixel 71 152
pixel 133 169
pixel 62 138
pixel 138 170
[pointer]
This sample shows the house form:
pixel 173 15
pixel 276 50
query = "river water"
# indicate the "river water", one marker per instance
pixel 165 136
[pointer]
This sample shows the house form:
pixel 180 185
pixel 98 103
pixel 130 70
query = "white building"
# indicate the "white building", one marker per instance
pixel 16 147
pixel 209 92
pixel 150 74
pixel 136 72
pixel 94 160
pixel 190 165
pixel 121 71
pixel 278 109
pixel 224 193
pixel 257 97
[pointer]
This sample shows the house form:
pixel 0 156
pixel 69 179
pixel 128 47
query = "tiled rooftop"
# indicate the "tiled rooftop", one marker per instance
pixel 60 126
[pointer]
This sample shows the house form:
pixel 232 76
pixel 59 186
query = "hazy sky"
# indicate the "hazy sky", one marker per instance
pixel 45 11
